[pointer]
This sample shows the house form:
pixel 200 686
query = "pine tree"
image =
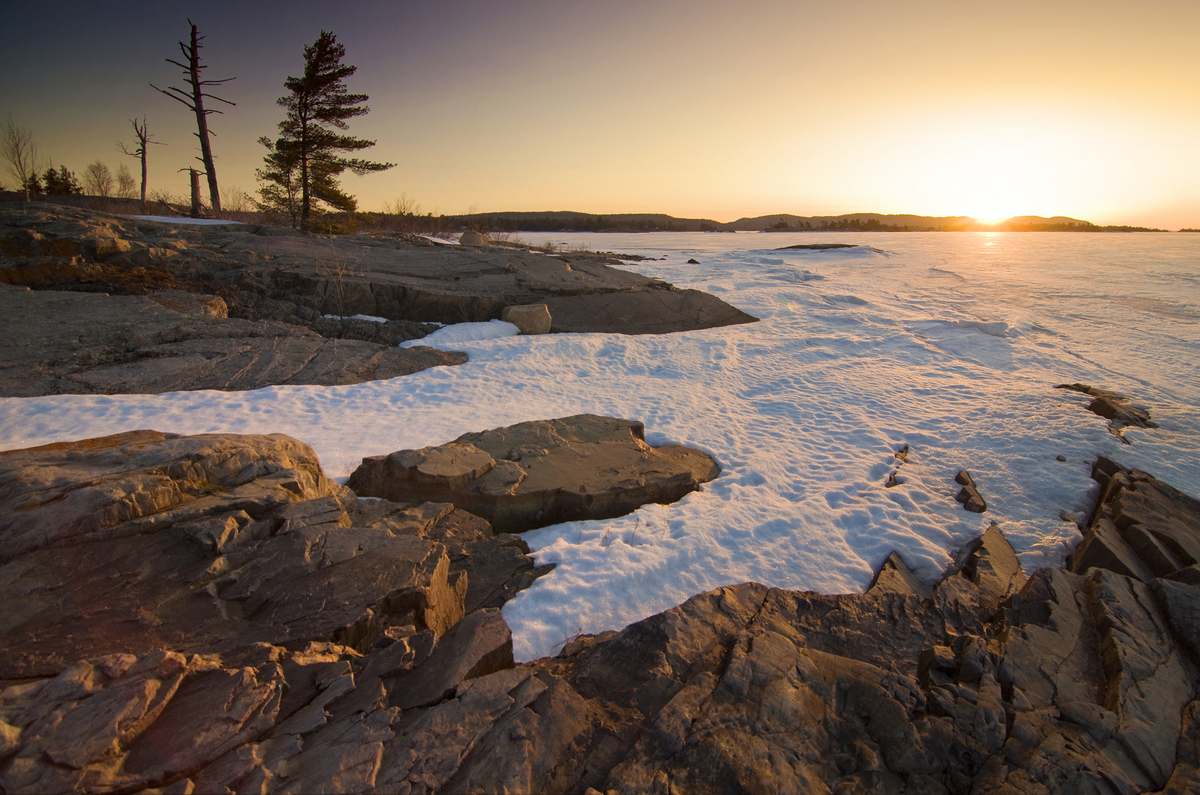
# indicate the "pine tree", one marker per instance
pixel 61 182
pixel 280 191
pixel 308 153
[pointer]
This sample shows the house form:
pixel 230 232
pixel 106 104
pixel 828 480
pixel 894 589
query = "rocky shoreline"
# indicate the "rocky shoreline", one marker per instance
pixel 196 614
pixel 213 614
pixel 113 305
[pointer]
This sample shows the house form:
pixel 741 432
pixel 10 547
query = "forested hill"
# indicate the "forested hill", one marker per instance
pixel 567 221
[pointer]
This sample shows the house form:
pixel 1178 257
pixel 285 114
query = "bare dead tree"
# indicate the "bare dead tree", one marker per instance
pixel 142 132
pixel 194 100
pixel 126 186
pixel 194 178
pixel 98 180
pixel 20 154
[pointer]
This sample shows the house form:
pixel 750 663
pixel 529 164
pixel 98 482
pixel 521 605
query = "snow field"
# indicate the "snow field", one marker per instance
pixel 948 343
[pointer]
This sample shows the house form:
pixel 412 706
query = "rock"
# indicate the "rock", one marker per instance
pixel 652 311
pixel 1141 528
pixel 479 645
pixel 894 576
pixel 201 543
pixel 540 473
pixel 990 681
pixel 402 278
pixel 103 248
pixel 531 319
pixel 69 342
pixel 471 238
pixel 1116 408
pixel 693 262
pixel 969 495
pixel 817 246
pixel 124 723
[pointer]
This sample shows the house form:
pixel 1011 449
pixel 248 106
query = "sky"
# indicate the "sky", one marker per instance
pixel 692 108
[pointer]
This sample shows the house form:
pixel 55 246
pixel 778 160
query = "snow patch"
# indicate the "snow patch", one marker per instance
pixel 459 333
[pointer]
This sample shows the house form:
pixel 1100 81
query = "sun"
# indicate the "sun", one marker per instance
pixel 989 167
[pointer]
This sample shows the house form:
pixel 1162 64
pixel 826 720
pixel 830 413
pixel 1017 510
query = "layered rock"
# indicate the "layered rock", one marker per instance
pixel 74 342
pixel 539 473
pixel 1114 407
pixel 263 269
pixel 989 680
pixel 1141 528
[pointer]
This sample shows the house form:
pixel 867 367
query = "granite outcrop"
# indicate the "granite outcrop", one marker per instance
pixel 163 639
pixel 286 306
pixel 61 342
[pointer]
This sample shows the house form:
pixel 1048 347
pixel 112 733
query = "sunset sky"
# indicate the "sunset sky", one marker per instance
pixel 693 108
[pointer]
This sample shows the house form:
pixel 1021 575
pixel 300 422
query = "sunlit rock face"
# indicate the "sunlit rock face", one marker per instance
pixel 246 624
pixel 540 473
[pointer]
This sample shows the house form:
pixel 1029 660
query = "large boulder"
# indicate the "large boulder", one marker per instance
pixel 539 473
pixel 530 319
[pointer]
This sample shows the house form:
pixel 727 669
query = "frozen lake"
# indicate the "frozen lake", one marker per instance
pixel 950 343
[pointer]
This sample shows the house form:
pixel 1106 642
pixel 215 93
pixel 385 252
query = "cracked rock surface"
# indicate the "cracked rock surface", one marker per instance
pixel 90 343
pixel 145 541
pixel 990 680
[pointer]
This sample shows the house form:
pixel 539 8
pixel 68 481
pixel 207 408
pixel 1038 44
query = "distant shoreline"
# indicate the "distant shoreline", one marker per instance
pixel 572 221
pixel 569 221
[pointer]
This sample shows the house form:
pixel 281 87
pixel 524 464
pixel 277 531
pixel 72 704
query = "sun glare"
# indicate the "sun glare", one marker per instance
pixel 990 167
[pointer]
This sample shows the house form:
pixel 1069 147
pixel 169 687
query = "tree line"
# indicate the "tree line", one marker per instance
pixel 299 180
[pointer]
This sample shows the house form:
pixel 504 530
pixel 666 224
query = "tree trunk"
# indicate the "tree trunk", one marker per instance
pixel 143 178
pixel 195 175
pixel 305 197
pixel 206 157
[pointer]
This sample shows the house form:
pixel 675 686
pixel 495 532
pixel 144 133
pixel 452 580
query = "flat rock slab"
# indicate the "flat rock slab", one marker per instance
pixel 540 473
pixel 398 277
pixel 74 342
pixel 650 311
pixel 148 540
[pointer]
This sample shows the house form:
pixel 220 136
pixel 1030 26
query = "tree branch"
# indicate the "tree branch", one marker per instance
pixel 183 99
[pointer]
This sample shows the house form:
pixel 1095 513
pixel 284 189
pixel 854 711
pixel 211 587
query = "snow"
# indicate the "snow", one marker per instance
pixel 949 343
pixel 460 333
pixel 372 318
